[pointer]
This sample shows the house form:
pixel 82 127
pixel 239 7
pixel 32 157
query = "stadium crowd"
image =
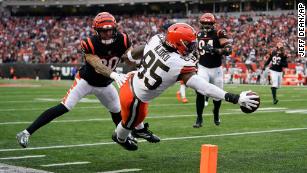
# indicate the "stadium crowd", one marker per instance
pixel 57 39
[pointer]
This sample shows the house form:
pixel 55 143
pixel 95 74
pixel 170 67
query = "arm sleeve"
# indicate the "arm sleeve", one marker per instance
pixel 205 88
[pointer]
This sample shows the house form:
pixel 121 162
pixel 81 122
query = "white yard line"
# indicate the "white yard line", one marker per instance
pixel 165 139
pixel 22 157
pixel 4 168
pixel 64 164
pixel 151 106
pixel 233 111
pixel 122 170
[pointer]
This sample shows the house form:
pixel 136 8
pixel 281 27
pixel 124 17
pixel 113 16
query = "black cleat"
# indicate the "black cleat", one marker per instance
pixel 275 101
pixel 146 134
pixel 216 115
pixel 128 144
pixel 198 123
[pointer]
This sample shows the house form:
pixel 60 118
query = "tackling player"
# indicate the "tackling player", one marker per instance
pixel 102 53
pixel 165 62
pixel 212 46
pixel 278 60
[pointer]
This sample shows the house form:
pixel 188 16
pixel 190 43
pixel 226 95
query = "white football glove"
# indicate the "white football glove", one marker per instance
pixel 120 79
pixel 247 101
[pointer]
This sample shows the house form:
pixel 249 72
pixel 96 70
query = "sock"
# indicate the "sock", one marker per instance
pixel 182 91
pixel 116 117
pixel 122 133
pixel 46 117
pixel 274 92
pixel 200 101
pixel 217 105
pixel 140 126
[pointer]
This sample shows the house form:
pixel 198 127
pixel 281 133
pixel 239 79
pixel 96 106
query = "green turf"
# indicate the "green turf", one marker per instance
pixel 261 152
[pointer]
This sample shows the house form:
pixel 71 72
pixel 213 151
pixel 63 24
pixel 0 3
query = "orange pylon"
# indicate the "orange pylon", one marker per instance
pixel 208 158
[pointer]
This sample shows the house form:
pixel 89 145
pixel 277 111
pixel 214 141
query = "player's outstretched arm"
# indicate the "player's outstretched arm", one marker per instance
pixel 134 56
pixel 100 68
pixel 202 86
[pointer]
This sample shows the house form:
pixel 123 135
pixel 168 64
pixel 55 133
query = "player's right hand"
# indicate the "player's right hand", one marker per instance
pixel 119 78
pixel 247 100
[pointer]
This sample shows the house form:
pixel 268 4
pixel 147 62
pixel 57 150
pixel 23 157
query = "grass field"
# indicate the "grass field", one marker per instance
pixel 271 140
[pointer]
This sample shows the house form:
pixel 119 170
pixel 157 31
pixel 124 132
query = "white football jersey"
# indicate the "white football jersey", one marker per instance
pixel 160 69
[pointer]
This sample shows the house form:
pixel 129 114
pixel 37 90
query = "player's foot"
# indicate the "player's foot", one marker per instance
pixel 23 138
pixel 185 100
pixel 275 101
pixel 128 144
pixel 146 134
pixel 198 123
pixel 178 95
pixel 133 139
pixel 217 120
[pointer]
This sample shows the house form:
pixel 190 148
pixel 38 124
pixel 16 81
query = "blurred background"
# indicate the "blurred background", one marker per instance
pixel 40 39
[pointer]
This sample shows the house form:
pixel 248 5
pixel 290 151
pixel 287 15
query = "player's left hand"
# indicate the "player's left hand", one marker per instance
pixel 247 100
pixel 208 48
pixel 119 78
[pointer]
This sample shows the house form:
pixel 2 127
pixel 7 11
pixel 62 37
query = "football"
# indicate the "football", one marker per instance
pixel 245 110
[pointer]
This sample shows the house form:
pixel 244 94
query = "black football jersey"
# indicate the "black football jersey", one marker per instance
pixel 279 60
pixel 109 54
pixel 210 59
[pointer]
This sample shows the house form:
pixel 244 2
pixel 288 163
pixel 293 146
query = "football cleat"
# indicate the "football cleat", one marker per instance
pixel 217 120
pixel 23 138
pixel 275 101
pixel 198 123
pixel 133 139
pixel 128 144
pixel 185 100
pixel 146 134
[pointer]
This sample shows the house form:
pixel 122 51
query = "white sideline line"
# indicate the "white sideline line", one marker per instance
pixel 67 163
pixel 165 139
pixel 4 168
pixel 234 111
pixel 122 170
pixel 22 157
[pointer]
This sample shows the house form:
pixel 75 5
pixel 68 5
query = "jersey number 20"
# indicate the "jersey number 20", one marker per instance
pixel 152 65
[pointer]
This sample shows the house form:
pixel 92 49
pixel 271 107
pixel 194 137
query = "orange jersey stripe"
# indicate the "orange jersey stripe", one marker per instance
pixel 91 44
pixel 125 40
pixel 188 69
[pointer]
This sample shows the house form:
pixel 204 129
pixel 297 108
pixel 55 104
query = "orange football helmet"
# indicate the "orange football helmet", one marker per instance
pixel 104 22
pixel 207 21
pixel 181 37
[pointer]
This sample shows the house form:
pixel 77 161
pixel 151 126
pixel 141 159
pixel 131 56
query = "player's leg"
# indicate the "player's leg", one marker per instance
pixel 274 79
pixel 182 92
pixel 79 89
pixel 217 80
pixel 108 97
pixel 200 99
pixel 131 111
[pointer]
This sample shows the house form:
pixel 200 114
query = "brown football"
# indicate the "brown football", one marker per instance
pixel 245 110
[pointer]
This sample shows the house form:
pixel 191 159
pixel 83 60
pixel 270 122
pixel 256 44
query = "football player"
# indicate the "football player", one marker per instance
pixel 278 60
pixel 212 46
pixel 102 53
pixel 165 62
